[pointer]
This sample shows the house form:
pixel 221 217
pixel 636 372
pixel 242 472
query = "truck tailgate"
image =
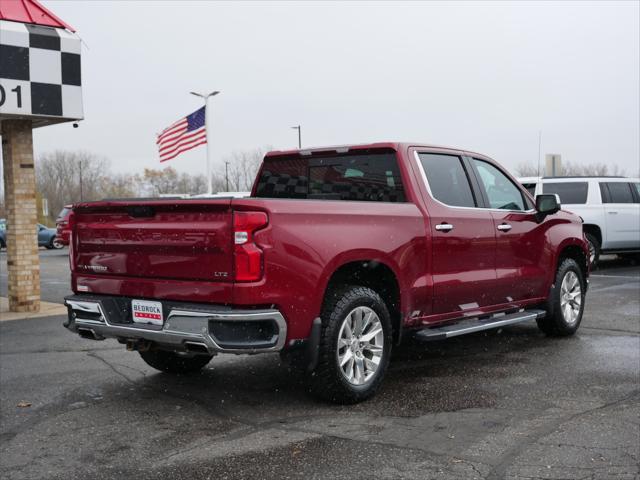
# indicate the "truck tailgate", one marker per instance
pixel 159 239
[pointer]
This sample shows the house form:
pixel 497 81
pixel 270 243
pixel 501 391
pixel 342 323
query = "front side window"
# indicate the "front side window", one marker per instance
pixel 501 191
pixel 616 192
pixel 448 180
pixel 569 192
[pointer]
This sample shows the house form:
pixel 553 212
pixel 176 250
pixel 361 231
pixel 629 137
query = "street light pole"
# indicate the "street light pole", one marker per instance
pixel 226 174
pixel 297 127
pixel 209 133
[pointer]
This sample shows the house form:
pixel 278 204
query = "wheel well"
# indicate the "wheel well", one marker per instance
pixel 593 230
pixel 576 253
pixel 376 276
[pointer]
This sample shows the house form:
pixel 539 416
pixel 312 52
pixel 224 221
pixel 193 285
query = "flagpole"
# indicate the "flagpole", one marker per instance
pixel 209 134
pixel 207 125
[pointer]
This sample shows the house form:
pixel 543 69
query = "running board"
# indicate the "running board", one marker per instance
pixel 473 325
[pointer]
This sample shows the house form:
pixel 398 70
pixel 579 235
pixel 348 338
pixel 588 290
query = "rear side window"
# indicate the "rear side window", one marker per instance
pixel 569 192
pixel 448 180
pixel 616 192
pixel 369 177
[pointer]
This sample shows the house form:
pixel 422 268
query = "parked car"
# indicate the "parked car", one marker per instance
pixel 609 206
pixel 62 225
pixel 337 255
pixel 46 236
pixel 3 233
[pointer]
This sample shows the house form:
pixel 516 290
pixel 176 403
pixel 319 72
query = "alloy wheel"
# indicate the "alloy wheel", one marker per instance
pixel 570 297
pixel 360 345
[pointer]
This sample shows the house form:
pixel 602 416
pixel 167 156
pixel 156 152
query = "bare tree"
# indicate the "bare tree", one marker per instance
pixel 119 185
pixel 68 176
pixel 243 168
pixel 526 170
pixel 573 169
pixel 593 169
pixel 170 181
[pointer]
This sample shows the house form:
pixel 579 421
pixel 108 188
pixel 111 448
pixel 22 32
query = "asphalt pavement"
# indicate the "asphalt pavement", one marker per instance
pixel 502 404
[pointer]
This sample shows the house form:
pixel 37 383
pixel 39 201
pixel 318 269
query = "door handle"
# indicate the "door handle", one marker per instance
pixel 504 227
pixel 612 212
pixel 444 227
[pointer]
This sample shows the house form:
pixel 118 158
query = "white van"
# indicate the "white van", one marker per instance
pixel 609 206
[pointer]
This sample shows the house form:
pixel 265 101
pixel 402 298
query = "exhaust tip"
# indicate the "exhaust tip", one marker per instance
pixel 89 333
pixel 196 347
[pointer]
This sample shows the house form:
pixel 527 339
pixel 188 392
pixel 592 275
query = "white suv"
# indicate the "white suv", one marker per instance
pixel 609 206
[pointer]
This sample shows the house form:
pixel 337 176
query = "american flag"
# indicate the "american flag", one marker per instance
pixel 183 135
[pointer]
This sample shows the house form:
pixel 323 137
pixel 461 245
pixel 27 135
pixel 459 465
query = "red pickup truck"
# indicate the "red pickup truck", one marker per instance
pixel 338 253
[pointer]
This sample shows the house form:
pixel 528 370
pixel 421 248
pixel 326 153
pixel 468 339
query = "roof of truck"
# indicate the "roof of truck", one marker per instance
pixel 363 146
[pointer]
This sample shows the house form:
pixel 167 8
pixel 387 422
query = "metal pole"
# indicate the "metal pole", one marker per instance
pixel 299 128
pixel 539 149
pixel 81 180
pixel 226 174
pixel 207 124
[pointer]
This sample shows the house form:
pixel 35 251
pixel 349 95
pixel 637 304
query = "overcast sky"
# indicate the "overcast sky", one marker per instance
pixel 481 76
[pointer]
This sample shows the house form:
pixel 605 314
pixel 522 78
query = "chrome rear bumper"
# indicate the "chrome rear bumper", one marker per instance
pixel 210 328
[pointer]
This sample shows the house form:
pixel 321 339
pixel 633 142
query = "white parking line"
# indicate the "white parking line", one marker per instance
pixel 633 277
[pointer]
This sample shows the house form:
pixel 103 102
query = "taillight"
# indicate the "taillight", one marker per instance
pixel 70 224
pixel 248 256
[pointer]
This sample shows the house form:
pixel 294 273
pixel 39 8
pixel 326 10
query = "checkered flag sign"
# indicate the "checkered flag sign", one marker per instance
pixel 39 73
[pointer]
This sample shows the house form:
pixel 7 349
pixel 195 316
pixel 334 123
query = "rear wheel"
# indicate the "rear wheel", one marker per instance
pixel 355 346
pixel 57 244
pixel 566 301
pixel 172 362
pixel 594 249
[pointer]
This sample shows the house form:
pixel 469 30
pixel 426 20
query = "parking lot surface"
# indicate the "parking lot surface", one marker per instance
pixel 501 404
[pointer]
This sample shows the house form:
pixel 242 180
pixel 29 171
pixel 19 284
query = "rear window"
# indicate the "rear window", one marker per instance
pixel 616 192
pixel 448 180
pixel 569 192
pixel 369 177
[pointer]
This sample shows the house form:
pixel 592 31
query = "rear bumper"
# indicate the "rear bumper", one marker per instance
pixel 187 326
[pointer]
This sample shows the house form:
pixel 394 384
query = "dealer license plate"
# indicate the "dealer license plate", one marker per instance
pixel 144 311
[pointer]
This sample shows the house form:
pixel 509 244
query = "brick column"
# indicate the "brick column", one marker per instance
pixel 23 264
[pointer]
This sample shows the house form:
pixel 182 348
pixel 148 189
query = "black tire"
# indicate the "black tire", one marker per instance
pixel 171 362
pixel 594 249
pixel 328 380
pixel 56 245
pixel 2 244
pixel 557 321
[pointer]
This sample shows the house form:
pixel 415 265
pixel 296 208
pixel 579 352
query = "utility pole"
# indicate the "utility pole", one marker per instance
pixel 207 126
pixel 81 197
pixel 297 127
pixel 226 174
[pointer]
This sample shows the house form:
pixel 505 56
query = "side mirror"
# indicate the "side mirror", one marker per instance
pixel 548 203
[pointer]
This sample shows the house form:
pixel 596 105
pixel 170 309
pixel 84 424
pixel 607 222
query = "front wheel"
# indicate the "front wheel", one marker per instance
pixel 172 362
pixel 355 345
pixel 566 301
pixel 56 244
